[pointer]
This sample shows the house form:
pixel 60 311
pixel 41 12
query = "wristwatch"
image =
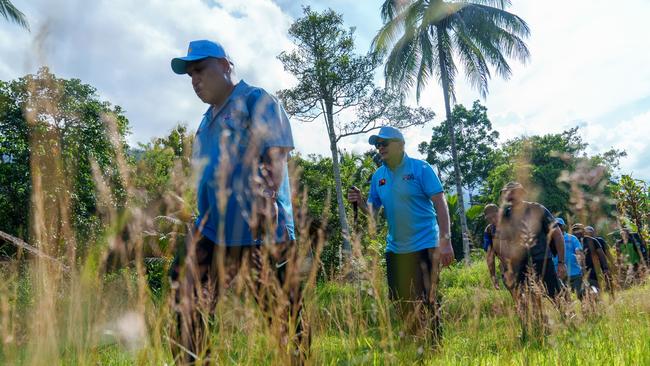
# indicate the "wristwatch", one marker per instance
pixel 447 236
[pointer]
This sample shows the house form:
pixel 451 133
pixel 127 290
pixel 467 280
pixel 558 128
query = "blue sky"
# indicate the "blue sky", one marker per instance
pixel 590 64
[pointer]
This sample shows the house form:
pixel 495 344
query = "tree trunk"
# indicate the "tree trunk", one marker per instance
pixel 454 153
pixel 343 221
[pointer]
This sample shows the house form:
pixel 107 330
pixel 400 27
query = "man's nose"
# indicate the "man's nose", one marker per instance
pixel 195 80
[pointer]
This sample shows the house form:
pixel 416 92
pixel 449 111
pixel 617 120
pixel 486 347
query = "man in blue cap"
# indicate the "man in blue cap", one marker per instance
pixel 573 256
pixel 243 195
pixel 418 240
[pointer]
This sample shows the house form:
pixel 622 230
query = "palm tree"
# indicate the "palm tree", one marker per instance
pixel 12 14
pixel 421 39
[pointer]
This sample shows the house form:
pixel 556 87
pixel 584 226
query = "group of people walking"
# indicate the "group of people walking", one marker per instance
pixel 579 256
pixel 245 219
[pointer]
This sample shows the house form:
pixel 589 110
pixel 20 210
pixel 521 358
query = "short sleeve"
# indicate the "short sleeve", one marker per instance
pixel 487 238
pixel 548 220
pixel 576 243
pixel 431 184
pixel 270 121
pixel 597 244
pixel 373 196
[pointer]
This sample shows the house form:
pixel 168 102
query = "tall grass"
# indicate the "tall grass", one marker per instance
pixel 81 309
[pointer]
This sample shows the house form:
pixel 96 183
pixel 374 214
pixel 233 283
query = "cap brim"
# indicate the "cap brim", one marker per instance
pixel 179 64
pixel 373 139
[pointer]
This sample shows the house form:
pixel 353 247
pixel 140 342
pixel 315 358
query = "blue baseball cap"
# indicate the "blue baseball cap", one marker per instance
pixel 386 133
pixel 560 221
pixel 198 50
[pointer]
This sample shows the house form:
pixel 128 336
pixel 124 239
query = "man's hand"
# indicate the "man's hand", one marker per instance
pixel 354 195
pixel 446 252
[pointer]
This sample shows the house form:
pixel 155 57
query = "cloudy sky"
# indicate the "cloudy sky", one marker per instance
pixel 590 64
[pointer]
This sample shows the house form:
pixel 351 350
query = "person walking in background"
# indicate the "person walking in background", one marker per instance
pixel 573 254
pixel 594 258
pixel 491 213
pixel 631 252
pixel 611 261
pixel 528 236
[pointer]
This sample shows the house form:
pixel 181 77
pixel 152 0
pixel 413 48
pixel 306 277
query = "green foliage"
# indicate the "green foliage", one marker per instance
pixel 331 78
pixel 633 198
pixel 475 223
pixel 475 143
pixel 316 177
pixel 156 160
pixel 540 162
pixel 45 118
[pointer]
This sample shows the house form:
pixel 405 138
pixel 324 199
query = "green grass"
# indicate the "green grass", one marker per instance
pixel 353 325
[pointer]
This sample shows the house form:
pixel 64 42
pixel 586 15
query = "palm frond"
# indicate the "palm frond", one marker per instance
pixel 494 41
pixel 501 4
pixel 12 14
pixel 391 8
pixel 402 61
pixel 472 58
pixel 428 63
pixel 446 59
pixel 501 18
pixel 388 33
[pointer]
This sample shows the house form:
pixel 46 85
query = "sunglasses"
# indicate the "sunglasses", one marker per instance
pixel 384 143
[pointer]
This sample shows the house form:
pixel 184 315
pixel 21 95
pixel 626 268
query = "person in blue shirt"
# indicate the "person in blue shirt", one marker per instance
pixel 243 195
pixel 418 240
pixel 572 254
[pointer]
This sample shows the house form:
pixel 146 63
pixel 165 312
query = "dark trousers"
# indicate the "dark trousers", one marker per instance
pixel 542 270
pixel 202 271
pixel 576 285
pixel 412 284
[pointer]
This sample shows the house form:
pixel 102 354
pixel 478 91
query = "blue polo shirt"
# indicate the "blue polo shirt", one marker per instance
pixel 226 155
pixel 405 193
pixel 571 244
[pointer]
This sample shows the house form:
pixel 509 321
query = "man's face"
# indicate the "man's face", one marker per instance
pixel 514 195
pixel 209 78
pixel 491 217
pixel 389 149
pixel 579 233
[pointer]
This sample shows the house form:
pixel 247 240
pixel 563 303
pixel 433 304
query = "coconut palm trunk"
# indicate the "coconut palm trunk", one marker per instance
pixel 454 153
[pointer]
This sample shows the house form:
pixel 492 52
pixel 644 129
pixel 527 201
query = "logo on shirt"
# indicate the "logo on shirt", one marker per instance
pixel 408 177
pixel 382 181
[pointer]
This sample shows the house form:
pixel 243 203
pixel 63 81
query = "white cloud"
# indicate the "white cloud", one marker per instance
pixel 124 49
pixel 588 63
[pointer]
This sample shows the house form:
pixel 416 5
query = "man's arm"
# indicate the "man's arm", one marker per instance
pixel 557 238
pixel 269 182
pixel 355 196
pixel 491 266
pixel 603 260
pixel 273 162
pixel 442 214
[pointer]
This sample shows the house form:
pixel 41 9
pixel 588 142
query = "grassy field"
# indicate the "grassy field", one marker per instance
pixel 119 321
